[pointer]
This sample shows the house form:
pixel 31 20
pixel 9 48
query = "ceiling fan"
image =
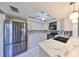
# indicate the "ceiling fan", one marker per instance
pixel 43 16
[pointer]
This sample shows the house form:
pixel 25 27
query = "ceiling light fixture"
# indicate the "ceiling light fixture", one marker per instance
pixel 43 19
pixel 43 15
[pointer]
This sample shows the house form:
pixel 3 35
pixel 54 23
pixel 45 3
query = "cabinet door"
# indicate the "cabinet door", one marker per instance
pixel 29 25
pixel 46 26
pixel 33 25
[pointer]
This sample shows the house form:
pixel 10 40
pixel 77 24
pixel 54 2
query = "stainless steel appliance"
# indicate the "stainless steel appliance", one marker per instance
pixel 15 37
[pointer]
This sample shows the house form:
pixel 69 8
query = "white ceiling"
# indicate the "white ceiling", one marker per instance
pixel 58 10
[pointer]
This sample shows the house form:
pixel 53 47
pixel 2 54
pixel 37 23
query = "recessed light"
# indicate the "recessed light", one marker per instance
pixel 43 19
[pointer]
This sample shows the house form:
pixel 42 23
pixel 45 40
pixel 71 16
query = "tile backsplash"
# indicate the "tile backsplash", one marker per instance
pixel 68 33
pixel 65 33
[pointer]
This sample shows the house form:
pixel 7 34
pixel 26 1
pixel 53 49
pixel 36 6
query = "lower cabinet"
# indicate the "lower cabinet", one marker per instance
pixel 34 37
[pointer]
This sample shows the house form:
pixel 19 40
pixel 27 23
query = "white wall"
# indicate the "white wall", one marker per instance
pixel 2 17
pixel 75 30
pixel 67 25
pixel 59 25
pixel 64 24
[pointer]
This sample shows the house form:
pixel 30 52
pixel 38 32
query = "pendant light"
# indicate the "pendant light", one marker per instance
pixel 74 15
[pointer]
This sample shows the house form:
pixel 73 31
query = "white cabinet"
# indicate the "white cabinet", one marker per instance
pixel 33 25
pixel 46 26
pixel 35 37
pixel 36 32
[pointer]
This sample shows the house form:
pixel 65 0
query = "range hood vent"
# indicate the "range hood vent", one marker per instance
pixel 14 9
pixel 1 11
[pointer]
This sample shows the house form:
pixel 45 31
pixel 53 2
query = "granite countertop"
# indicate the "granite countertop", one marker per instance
pixel 52 47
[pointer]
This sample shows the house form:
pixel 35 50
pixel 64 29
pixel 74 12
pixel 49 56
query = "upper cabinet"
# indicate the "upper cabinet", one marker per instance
pixel 35 25
pixel 60 25
pixel 46 26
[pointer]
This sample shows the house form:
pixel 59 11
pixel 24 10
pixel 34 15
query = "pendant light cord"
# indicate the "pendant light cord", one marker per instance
pixel 74 7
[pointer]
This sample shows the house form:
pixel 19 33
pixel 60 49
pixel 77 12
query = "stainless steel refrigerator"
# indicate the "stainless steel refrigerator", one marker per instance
pixel 15 38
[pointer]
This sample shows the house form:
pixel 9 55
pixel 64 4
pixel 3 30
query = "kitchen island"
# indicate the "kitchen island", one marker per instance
pixel 51 48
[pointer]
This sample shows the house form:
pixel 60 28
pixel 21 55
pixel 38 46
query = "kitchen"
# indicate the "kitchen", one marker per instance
pixel 34 29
